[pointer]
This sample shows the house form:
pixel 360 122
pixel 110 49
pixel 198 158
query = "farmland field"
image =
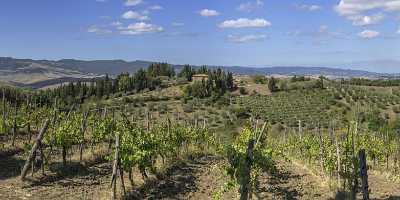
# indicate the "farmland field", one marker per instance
pixel 167 143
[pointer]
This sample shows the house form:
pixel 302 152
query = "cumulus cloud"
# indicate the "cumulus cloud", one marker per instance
pixel 359 20
pixel 135 15
pixel 140 28
pixel 309 7
pixel 356 10
pixel 245 38
pixel 368 34
pixel 250 6
pixel 98 30
pixel 133 2
pixel 209 13
pixel 245 23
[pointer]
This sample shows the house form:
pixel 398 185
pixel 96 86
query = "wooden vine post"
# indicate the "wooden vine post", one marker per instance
pixel 14 130
pixel 34 149
pixel 354 160
pixel 29 112
pixel 245 186
pixel 148 120
pixel 83 130
pixel 115 168
pixel 338 161
pixel 321 148
pixel 4 111
pixel 364 174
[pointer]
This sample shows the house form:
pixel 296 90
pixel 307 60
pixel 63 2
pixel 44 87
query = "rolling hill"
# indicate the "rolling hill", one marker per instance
pixel 42 73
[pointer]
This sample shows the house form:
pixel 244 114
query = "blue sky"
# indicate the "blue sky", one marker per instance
pixel 359 34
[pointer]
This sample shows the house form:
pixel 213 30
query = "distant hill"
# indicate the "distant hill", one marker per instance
pixel 306 71
pixel 26 72
pixel 41 73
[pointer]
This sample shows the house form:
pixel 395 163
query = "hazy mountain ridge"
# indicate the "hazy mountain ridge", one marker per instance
pixel 39 73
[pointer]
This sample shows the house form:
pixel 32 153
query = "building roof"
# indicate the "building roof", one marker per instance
pixel 200 75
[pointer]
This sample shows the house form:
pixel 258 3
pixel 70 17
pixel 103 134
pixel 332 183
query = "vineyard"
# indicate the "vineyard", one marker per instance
pixel 282 145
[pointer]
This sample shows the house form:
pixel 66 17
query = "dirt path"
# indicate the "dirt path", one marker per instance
pixel 292 181
pixel 76 182
pixel 198 178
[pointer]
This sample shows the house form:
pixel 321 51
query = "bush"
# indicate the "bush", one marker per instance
pixel 259 79
pixel 242 91
pixel 188 108
pixel 163 108
pixel 240 112
pixel 126 100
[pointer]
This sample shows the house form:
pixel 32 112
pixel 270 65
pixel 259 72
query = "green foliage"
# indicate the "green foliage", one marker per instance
pixel 262 160
pixel 369 82
pixel 187 72
pixel 242 90
pixel 103 128
pixel 67 133
pixel 259 79
pixel 272 85
pixel 160 69
pixel 139 147
pixel 299 79
pixel 217 84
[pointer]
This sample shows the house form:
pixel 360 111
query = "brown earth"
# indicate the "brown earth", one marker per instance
pixel 199 177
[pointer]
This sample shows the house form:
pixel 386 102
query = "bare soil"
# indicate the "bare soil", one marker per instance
pixel 197 177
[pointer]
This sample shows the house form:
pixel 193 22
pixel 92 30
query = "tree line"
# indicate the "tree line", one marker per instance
pixel 371 82
pixel 125 83
pixel 217 83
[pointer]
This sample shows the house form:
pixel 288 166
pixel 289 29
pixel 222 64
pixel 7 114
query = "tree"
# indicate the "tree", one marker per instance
pixel 123 82
pixel 187 72
pixel 160 69
pixel 140 80
pixel 242 91
pixel 320 82
pixel 272 84
pixel 202 70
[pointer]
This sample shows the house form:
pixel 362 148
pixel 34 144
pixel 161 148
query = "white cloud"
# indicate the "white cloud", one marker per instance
pixel 359 20
pixel 354 7
pixel 135 15
pixel 398 31
pixel 209 13
pixel 245 23
pixel 245 38
pixel 133 2
pixel 368 34
pixel 359 11
pixel 140 28
pixel 177 24
pixel 156 7
pixel 309 7
pixel 98 30
pixel 250 6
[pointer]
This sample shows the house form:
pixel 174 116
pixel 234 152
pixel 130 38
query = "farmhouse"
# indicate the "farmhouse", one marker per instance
pixel 200 77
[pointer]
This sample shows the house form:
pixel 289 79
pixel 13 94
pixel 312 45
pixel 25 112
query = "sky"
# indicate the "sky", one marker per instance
pixel 357 34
